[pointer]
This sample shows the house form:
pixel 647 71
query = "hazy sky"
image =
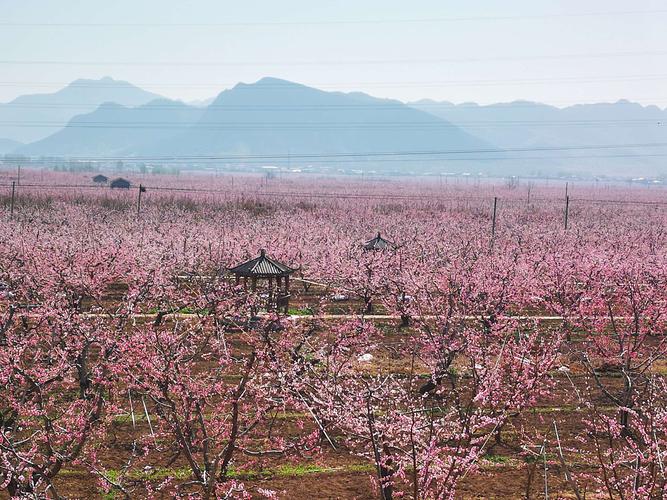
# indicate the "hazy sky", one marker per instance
pixel 555 51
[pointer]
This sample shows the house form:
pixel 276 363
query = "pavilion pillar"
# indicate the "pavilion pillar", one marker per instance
pixel 286 293
pixel 280 296
pixel 270 300
pixel 253 283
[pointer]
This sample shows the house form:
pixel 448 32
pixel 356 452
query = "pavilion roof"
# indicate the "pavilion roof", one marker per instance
pixel 379 243
pixel 262 267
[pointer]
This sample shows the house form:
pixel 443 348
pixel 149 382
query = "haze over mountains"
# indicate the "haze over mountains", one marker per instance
pixel 32 117
pixel 8 145
pixel 525 124
pixel 276 117
pixel 268 117
pixel 113 129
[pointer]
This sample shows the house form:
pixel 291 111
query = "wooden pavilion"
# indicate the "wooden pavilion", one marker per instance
pixel 379 243
pixel 273 272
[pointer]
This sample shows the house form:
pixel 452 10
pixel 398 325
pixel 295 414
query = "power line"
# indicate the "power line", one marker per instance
pixel 338 195
pixel 378 106
pixel 273 127
pixel 385 84
pixel 372 154
pixel 435 121
pixel 388 104
pixel 479 159
pixel 358 162
pixel 272 63
pixel 338 22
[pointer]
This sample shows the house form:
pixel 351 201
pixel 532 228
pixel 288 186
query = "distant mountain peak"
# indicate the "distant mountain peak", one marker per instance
pixel 104 81
pixel 117 129
pixel 529 124
pixel 111 105
pixel 273 115
pixel 270 80
pixel 264 81
pixel 58 108
pixel 269 83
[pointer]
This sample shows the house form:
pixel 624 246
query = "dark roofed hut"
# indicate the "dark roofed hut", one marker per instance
pixel 266 268
pixel 120 183
pixel 379 243
pixel 100 179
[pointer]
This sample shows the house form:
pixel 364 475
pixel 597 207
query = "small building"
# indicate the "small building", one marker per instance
pixel 120 183
pixel 267 269
pixel 379 243
pixel 100 179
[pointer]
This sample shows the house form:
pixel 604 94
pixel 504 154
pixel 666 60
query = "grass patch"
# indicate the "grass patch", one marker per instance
pixel 498 459
pixel 306 311
pixel 287 470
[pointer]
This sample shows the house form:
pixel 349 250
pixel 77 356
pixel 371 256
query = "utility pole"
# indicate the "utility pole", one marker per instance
pixel 566 186
pixel 567 210
pixel 142 189
pixel 493 226
pixel 11 203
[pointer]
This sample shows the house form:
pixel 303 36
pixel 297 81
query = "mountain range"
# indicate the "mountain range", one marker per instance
pixel 524 124
pixel 32 117
pixel 269 117
pixel 276 117
pixel 113 129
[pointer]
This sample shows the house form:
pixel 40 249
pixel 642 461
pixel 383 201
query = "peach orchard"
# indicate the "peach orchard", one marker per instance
pixel 113 312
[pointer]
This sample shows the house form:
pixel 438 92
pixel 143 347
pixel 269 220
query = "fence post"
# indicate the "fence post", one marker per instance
pixel 11 203
pixel 142 189
pixel 493 226
pixel 567 210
